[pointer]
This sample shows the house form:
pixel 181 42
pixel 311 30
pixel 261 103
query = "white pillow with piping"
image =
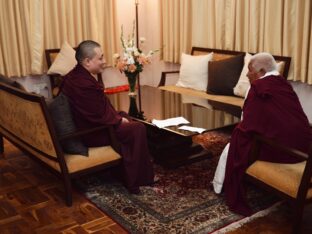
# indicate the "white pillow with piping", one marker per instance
pixel 243 84
pixel 194 71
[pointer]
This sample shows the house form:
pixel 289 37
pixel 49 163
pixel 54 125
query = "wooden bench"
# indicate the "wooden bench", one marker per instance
pixel 231 104
pixel 26 122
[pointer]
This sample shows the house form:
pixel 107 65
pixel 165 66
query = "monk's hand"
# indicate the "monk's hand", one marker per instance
pixel 124 120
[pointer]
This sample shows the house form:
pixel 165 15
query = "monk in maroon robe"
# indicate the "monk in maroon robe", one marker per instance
pixel 91 108
pixel 273 110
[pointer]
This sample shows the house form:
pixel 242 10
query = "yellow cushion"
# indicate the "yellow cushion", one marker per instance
pixel 215 57
pixel 284 177
pixel 232 100
pixel 218 57
pixel 97 156
pixel 64 61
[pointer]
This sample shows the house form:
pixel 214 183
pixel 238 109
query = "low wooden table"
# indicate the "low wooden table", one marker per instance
pixel 171 146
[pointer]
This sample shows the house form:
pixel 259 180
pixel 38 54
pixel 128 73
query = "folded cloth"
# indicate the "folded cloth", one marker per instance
pixel 220 171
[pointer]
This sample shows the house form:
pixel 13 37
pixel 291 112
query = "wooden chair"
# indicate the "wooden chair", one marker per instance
pixel 290 181
pixel 26 122
pixel 56 79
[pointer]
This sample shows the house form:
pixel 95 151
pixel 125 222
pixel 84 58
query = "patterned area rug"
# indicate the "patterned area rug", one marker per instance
pixel 181 202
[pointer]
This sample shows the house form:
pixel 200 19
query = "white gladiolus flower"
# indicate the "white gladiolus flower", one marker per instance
pixel 129 49
pixel 130 60
pixel 116 56
pixel 136 53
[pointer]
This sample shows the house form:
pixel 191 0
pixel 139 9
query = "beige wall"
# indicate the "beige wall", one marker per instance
pixel 149 27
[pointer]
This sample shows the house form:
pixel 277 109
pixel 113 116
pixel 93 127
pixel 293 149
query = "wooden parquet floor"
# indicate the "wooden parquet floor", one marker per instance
pixel 32 201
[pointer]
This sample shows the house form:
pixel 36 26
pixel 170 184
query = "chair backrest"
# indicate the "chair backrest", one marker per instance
pixel 218 54
pixel 24 120
pixel 11 82
pixel 50 55
pixel 224 54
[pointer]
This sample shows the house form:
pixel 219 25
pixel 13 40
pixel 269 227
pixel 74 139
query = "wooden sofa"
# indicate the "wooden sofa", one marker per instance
pixel 231 104
pixel 25 121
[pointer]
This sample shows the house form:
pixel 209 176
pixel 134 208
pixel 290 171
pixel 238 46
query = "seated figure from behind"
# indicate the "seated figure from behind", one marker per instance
pixel 271 109
pixel 91 108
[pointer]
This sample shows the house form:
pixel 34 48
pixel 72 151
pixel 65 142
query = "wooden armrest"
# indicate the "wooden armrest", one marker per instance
pixel 114 142
pixel 164 76
pixel 259 139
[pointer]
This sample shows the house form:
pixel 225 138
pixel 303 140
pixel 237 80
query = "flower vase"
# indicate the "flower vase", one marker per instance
pixel 132 78
pixel 133 109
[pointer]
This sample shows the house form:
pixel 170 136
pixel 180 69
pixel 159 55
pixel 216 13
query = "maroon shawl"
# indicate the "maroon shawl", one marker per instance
pixel 92 108
pixel 272 109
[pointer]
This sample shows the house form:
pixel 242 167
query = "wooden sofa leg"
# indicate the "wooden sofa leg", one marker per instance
pixel 1 145
pixel 68 191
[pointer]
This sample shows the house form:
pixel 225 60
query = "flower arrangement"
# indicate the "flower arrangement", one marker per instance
pixel 133 60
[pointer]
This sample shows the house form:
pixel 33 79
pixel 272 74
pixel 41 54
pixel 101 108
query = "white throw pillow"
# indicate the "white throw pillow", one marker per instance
pixel 64 62
pixel 243 82
pixel 194 71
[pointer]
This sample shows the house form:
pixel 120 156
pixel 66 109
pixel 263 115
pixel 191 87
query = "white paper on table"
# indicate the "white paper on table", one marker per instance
pixel 170 122
pixel 192 129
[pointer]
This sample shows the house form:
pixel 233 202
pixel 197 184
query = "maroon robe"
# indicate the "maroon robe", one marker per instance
pixel 91 108
pixel 272 109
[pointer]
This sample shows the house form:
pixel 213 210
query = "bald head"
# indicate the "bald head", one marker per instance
pixel 89 55
pixel 86 50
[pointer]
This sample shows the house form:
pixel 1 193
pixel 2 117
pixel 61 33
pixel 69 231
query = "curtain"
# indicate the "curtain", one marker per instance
pixel 15 34
pixel 28 27
pixel 176 25
pixel 280 27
